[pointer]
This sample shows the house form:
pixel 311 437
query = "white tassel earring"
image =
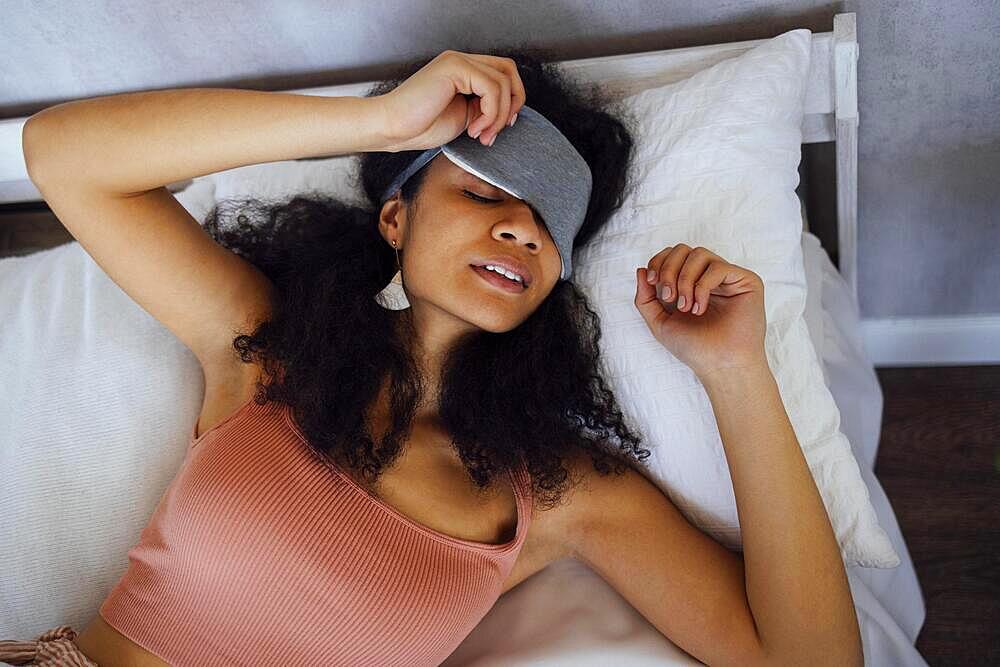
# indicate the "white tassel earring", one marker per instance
pixel 393 297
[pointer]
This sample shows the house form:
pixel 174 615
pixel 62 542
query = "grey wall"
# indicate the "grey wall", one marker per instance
pixel 929 92
pixel 929 158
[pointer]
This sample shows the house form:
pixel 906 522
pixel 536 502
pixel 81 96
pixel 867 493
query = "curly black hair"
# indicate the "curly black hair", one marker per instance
pixel 535 393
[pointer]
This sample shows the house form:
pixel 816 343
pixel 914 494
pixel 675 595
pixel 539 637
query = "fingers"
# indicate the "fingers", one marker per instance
pixel 493 90
pixel 709 280
pixel 667 265
pixel 501 94
pixel 475 113
pixel 692 276
pixel 652 311
pixel 695 265
pixel 517 91
pixel 483 84
pixel 677 269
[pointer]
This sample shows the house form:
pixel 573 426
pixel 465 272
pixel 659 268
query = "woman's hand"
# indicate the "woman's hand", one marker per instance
pixel 431 107
pixel 719 322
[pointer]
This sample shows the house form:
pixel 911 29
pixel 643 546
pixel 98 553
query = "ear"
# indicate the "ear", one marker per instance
pixel 392 218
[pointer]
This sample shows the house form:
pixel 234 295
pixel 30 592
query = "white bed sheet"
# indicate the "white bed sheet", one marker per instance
pixel 889 602
pixel 567 615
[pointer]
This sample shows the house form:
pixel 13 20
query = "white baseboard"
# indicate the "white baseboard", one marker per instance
pixel 933 341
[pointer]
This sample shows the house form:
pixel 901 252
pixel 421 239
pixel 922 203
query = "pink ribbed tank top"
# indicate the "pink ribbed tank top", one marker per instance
pixel 258 554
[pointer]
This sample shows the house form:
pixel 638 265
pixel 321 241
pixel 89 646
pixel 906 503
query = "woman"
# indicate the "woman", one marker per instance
pixel 345 499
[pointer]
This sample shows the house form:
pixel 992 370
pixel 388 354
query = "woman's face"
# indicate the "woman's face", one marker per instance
pixel 449 230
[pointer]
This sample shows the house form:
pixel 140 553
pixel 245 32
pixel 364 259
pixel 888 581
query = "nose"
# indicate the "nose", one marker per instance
pixel 524 225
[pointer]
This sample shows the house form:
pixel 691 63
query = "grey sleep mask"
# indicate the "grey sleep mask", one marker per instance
pixel 532 161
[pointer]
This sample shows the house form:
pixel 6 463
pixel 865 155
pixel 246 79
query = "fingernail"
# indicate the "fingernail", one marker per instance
pixel 476 135
pixel 493 139
pixel 651 277
pixel 680 302
pixel 513 120
pixel 666 291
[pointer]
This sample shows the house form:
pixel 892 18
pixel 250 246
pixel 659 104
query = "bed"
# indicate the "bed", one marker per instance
pixel 579 620
pixel 575 617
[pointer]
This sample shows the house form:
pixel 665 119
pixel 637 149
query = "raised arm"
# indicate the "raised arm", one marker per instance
pixel 102 165
pixel 133 142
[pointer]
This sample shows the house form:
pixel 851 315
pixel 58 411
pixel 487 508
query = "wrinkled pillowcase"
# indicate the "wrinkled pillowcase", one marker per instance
pixel 716 165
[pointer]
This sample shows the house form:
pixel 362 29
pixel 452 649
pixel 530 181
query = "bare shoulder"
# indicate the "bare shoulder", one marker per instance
pixel 591 493
pixel 555 531
pixel 596 494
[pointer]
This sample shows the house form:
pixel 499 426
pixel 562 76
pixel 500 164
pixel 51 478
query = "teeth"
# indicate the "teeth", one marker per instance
pixel 503 272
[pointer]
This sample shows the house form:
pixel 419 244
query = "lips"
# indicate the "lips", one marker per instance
pixel 506 262
pixel 498 281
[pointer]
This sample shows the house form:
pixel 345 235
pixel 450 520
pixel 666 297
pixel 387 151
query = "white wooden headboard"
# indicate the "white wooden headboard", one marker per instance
pixel 831 111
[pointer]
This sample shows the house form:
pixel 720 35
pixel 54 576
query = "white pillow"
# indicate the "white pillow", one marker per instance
pixel 716 163
pixel 96 406
pixel 334 177
pixel 813 311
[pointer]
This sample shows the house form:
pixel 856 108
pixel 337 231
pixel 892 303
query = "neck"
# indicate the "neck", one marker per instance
pixel 428 362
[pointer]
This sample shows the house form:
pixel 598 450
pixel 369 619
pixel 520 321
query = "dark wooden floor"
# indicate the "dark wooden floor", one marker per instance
pixel 939 463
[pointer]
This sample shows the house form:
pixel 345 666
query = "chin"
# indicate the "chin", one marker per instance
pixel 495 322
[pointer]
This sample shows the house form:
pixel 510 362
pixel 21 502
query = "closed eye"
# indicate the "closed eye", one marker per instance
pixel 473 195
pixel 476 197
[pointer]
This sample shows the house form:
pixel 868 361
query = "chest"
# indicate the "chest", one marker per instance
pixel 428 485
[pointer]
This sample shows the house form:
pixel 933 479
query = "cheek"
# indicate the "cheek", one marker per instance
pixel 438 276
